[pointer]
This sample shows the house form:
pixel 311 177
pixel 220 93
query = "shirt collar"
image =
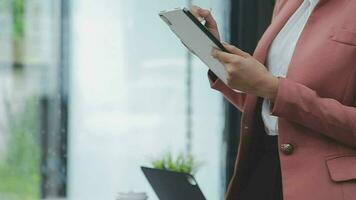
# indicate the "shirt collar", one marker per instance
pixel 313 2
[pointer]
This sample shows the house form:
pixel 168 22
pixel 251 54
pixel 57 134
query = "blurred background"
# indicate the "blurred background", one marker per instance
pixel 92 90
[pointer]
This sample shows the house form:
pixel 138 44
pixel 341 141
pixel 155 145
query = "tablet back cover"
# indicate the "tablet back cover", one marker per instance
pixel 173 185
pixel 195 39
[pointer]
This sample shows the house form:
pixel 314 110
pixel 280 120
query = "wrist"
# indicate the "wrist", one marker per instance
pixel 270 89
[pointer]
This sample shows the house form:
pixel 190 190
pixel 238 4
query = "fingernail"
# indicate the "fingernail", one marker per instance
pixel 207 12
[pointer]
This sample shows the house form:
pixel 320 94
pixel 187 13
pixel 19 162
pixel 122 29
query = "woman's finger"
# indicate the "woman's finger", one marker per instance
pixel 203 14
pixel 196 10
pixel 234 50
pixel 224 57
pixel 210 21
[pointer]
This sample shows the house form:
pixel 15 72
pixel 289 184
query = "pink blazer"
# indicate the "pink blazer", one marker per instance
pixel 315 105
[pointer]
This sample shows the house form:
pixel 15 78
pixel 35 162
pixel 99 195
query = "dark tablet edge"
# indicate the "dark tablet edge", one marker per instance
pixel 204 29
pixel 143 168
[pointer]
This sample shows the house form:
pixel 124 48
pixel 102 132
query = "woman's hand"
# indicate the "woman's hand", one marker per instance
pixel 203 14
pixel 246 74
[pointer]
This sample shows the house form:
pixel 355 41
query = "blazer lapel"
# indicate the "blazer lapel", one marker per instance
pixel 251 100
pixel 277 24
pixel 262 48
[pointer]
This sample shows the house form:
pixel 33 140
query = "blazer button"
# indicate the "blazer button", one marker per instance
pixel 287 149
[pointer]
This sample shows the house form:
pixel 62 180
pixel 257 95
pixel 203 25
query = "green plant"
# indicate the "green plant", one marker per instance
pixel 20 170
pixel 182 163
pixel 18 10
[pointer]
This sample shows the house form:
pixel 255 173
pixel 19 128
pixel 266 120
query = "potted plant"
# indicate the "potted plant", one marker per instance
pixel 181 163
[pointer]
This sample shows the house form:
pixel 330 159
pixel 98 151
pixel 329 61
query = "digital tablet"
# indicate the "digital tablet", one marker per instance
pixel 196 37
pixel 170 185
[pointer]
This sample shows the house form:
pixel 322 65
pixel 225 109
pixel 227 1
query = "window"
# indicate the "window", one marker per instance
pixel 30 108
pixel 108 80
pixel 135 94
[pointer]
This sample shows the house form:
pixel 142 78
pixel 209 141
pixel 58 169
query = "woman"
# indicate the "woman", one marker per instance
pixel 298 132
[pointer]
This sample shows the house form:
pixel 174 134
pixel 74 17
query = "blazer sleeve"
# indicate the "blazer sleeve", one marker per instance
pixel 277 7
pixel 235 98
pixel 302 105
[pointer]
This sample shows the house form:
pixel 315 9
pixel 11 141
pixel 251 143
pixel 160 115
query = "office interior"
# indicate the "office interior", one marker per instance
pixel 92 90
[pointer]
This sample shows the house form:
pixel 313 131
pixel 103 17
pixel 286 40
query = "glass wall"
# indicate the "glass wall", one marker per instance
pixel 29 71
pixel 136 94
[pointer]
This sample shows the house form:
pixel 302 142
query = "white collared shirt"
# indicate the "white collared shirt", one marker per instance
pixel 281 52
